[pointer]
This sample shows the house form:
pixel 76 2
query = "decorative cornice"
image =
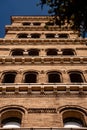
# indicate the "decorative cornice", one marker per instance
pixel 27 41
pixel 43 89
pixel 39 28
pixel 26 60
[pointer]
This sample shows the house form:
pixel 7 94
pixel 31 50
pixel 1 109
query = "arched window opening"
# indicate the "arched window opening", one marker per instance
pixel 54 77
pixel 76 77
pixel 22 35
pixel 35 35
pixel 26 23
pixel 49 23
pixel 72 123
pixel 33 52
pixel 30 77
pixel 73 119
pixel 11 118
pixel 17 52
pixel 68 52
pixel 52 52
pixel 11 122
pixel 9 77
pixel 63 35
pixel 50 35
pixel 36 23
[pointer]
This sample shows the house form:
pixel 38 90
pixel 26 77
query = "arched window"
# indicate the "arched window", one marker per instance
pixel 73 118
pixel 66 52
pixel 36 23
pixel 63 35
pixel 54 77
pixel 17 52
pixel 76 77
pixel 49 23
pixel 35 35
pixel 11 118
pixel 50 35
pixel 22 35
pixel 30 77
pixel 9 77
pixel 26 23
pixel 33 52
pixel 51 52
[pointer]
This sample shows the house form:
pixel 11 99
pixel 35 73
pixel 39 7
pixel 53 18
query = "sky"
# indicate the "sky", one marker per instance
pixel 10 8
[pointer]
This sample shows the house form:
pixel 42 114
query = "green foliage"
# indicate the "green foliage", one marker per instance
pixel 68 10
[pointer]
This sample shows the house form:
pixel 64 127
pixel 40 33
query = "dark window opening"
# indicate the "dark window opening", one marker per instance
pixel 37 24
pixel 30 77
pixel 17 52
pixel 63 35
pixel 11 119
pixel 50 35
pixel 50 23
pixel 52 52
pixel 54 77
pixel 33 52
pixel 68 52
pixel 9 78
pixel 76 77
pixel 22 35
pixel 26 23
pixel 35 35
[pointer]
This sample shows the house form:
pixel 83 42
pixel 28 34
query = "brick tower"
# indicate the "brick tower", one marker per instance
pixel 43 75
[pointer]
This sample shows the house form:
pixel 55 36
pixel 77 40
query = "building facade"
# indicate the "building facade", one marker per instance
pixel 43 75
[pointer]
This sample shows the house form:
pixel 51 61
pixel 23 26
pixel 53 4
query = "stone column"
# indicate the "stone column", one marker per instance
pixel 19 77
pixel 42 53
pixel 65 77
pixel 42 77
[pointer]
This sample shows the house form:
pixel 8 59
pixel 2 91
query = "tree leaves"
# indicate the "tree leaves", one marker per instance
pixel 68 10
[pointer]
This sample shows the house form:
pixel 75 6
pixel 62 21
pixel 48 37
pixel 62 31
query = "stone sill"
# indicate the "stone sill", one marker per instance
pixel 44 128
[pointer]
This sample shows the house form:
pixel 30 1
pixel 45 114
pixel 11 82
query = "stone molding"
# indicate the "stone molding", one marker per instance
pixel 42 110
pixel 26 60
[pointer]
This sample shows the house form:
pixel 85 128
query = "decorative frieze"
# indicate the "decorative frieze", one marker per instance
pixel 42 110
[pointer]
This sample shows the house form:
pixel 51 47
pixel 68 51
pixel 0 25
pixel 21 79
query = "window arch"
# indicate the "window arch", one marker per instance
pixel 22 35
pixel 51 52
pixel 9 77
pixel 30 77
pixel 17 52
pixel 33 52
pixel 76 77
pixel 11 118
pixel 73 119
pixel 54 77
pixel 68 52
